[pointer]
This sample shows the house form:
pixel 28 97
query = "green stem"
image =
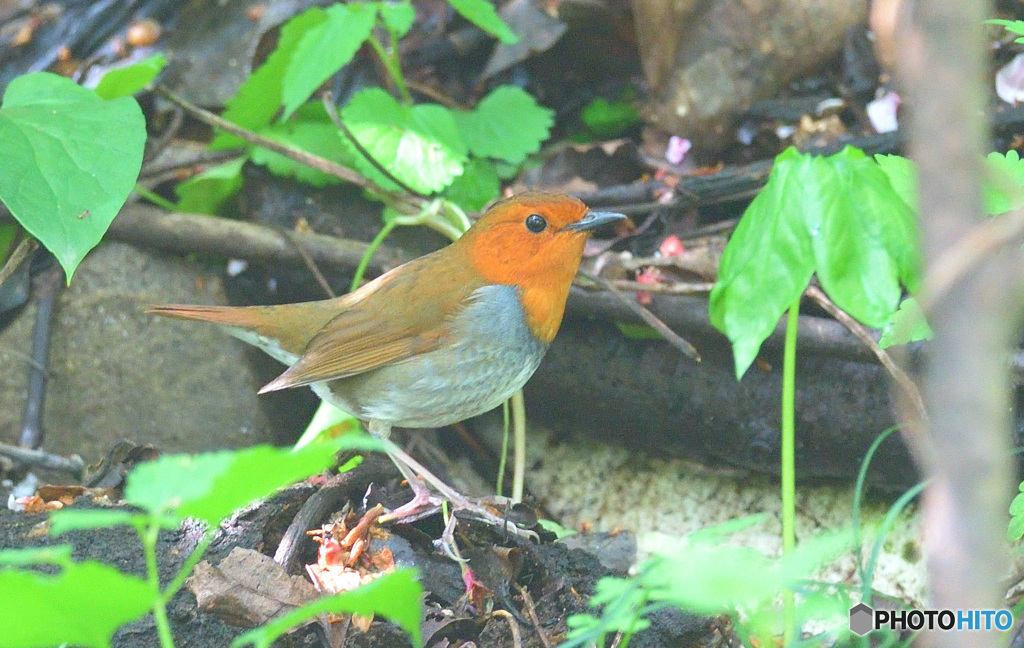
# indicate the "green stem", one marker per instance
pixel 357 279
pixel 163 626
pixel 789 466
pixel 155 198
pixel 503 458
pixel 394 66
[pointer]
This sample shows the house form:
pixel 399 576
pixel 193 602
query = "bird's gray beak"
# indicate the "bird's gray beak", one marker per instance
pixel 594 219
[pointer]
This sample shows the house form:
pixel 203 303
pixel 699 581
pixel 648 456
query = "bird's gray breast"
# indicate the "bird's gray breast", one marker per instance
pixel 488 355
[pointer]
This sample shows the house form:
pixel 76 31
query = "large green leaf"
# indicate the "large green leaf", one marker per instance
pixel 475 187
pixel 864 236
pixel 68 161
pixel 839 216
pixel 80 606
pixel 397 596
pixel 260 97
pixel 126 81
pixel 420 145
pixel 507 124
pixel 325 49
pixel 768 262
pixel 482 14
pixel 211 486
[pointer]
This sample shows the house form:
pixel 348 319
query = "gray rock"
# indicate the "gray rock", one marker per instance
pixel 117 373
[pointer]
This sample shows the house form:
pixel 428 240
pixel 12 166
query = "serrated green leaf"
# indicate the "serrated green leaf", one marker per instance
pixel 476 186
pixel 864 237
pixel 69 161
pixel 325 49
pixel 319 138
pixel 398 17
pixel 1004 186
pixel 507 124
pixel 260 97
pixel 213 485
pixel 66 520
pixel 126 81
pixel 609 119
pixel 1012 26
pixel 206 192
pixel 420 145
pixel 82 605
pixel 1015 530
pixel 768 262
pixel 397 596
pixel 907 325
pixel 482 14
pixel 59 555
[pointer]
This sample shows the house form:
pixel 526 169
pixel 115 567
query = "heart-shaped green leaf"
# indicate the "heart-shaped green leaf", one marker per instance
pixel 69 161
pixel 507 124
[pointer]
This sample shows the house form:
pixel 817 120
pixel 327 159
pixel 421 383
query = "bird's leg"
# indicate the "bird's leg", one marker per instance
pixel 424 502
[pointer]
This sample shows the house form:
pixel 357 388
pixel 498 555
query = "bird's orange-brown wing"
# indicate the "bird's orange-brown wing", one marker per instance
pixel 399 315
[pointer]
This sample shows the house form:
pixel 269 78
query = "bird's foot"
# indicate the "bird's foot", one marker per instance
pixel 425 503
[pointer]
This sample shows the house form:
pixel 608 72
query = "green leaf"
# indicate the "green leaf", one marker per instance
pixel 126 81
pixel 507 124
pixel 902 175
pixel 839 216
pixel 864 237
pixel 318 137
pixel 206 192
pixel 396 595
pixel 59 555
pixel 1012 26
pixel 398 17
pixel 260 97
pixel 1004 189
pixel 907 325
pixel 632 331
pixel 82 605
pixel 768 261
pixel 482 14
pixel 1015 530
pixel 327 416
pixel 70 160
pixel 475 187
pixel 419 144
pixel 211 486
pixel 325 49
pixel 66 520
pixel 610 119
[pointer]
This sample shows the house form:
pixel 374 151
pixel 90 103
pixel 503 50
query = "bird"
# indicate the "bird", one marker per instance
pixel 437 340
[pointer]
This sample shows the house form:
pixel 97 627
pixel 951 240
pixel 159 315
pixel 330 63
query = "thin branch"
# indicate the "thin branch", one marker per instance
pixel 959 260
pixel 27 246
pixel 314 161
pixel 680 288
pixel 647 316
pixel 72 465
pixel 310 264
pixel 913 434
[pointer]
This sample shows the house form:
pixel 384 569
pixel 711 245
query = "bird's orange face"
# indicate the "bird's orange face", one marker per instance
pixel 523 242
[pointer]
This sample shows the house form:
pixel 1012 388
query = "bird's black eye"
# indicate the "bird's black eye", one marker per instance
pixel 536 223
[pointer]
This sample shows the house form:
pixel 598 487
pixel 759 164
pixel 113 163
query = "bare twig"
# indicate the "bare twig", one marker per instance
pixel 27 246
pixel 647 316
pixel 310 264
pixel 959 260
pixel 912 434
pixel 679 288
pixel 531 611
pixel 72 465
pixel 185 233
pixel 314 161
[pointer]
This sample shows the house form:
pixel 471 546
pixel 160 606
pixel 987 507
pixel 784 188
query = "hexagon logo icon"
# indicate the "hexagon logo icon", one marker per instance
pixel 861 619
